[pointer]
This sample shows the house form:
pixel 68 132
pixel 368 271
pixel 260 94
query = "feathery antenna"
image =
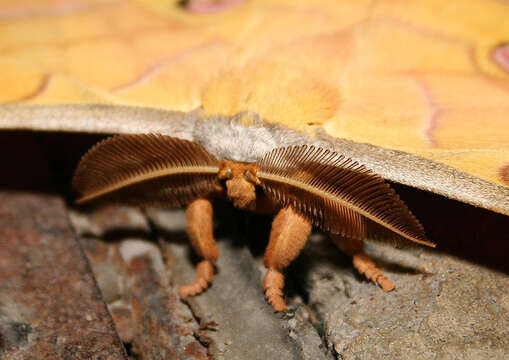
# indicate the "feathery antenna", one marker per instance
pixel 337 194
pixel 148 170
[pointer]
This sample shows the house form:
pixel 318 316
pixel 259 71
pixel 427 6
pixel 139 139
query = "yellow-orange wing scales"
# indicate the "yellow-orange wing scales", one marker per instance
pixel 339 195
pixel 148 170
pixel 421 77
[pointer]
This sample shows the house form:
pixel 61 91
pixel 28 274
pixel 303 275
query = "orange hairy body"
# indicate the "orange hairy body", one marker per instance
pixel 289 233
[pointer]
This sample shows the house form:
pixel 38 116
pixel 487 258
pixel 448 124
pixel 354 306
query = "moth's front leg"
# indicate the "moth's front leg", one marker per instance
pixel 361 261
pixel 199 216
pixel 288 236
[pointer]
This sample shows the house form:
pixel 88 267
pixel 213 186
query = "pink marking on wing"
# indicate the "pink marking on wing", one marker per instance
pixel 434 114
pixel 43 85
pixel 504 174
pixel 210 6
pixel 59 9
pixel 125 37
pixel 501 56
pixel 468 46
pixel 419 29
pixel 154 68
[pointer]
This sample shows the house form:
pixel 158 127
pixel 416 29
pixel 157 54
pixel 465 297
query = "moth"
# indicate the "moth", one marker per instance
pixel 303 185
pixel 390 83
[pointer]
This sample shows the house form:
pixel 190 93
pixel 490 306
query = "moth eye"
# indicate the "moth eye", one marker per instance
pixel 225 173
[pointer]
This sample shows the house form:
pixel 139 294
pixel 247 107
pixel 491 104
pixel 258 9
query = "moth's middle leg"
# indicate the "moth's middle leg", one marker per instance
pixel 200 226
pixel 288 236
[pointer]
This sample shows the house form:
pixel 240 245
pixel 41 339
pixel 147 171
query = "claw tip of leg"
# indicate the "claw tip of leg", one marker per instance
pixel 279 307
pixel 388 286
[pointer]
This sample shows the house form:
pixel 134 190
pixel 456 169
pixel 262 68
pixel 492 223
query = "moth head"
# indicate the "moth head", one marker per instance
pixel 240 180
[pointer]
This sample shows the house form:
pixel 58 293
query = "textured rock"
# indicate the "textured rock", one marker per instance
pixel 50 307
pixel 135 282
pixel 443 307
pixel 245 326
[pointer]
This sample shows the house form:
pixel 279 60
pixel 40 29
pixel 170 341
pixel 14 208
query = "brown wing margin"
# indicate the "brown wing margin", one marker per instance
pixel 147 170
pixel 337 193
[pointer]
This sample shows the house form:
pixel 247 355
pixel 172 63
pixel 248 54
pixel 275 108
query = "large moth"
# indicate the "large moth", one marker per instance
pixel 303 184
pixel 412 90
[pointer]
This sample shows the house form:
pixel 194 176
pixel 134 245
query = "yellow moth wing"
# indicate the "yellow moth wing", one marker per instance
pixel 416 77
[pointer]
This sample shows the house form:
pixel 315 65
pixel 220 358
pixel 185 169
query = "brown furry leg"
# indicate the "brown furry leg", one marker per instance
pixel 199 229
pixel 362 261
pixel 288 236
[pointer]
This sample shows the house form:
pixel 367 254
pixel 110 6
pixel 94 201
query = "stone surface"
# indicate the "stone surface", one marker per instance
pixel 50 307
pixel 443 307
pixel 135 283
pixel 245 326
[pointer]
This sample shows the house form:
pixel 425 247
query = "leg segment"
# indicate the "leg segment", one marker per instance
pixel 361 261
pixel 288 236
pixel 199 230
